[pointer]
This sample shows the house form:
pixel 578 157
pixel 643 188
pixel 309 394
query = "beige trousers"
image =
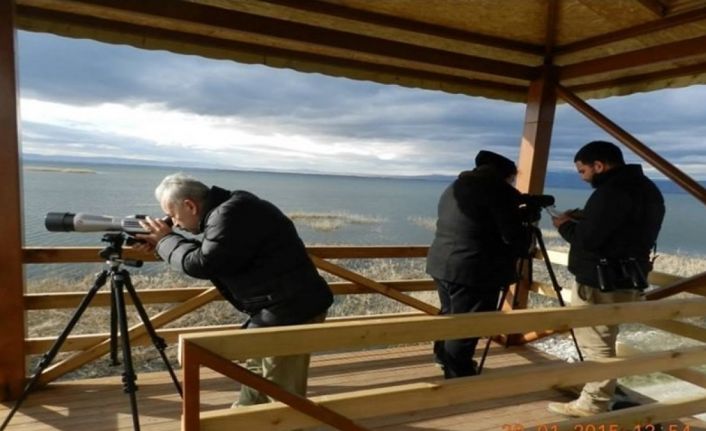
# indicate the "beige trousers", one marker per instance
pixel 598 342
pixel 289 372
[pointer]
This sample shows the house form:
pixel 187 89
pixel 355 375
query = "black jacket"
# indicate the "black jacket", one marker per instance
pixel 622 219
pixel 251 252
pixel 479 232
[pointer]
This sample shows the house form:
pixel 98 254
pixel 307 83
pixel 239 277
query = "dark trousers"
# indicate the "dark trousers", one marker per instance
pixel 456 356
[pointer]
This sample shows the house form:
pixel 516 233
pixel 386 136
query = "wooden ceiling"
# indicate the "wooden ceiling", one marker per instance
pixel 491 48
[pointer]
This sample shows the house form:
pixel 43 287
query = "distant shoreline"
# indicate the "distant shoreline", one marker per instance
pixel 61 170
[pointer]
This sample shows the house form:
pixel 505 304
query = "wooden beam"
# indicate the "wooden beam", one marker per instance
pixel 40 345
pixel 191 17
pixel 12 359
pixel 550 30
pixel 373 285
pixel 632 32
pixel 145 37
pixel 279 341
pixel 681 329
pixel 654 6
pixel 644 78
pixel 683 285
pixel 635 59
pixel 90 254
pixel 662 165
pixel 420 27
pixel 377 402
pixel 533 160
pixel 319 412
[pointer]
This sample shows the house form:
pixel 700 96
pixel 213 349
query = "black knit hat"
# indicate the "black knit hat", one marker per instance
pixel 503 165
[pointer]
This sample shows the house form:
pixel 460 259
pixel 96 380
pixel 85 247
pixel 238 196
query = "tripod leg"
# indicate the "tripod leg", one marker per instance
pixel 486 349
pixel 129 377
pixel 48 357
pixel 157 341
pixel 113 334
pixel 555 283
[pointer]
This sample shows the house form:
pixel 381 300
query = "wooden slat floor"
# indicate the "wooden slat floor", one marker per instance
pixel 100 404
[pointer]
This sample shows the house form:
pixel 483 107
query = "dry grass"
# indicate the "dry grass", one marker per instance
pixel 428 223
pixel 330 221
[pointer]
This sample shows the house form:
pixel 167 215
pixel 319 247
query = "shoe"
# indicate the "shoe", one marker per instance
pixel 571 409
pixel 571 391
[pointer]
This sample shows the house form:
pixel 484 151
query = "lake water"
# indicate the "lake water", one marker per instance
pixel 392 206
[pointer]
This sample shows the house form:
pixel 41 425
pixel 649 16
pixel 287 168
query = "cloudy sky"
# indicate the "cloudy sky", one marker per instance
pixel 87 99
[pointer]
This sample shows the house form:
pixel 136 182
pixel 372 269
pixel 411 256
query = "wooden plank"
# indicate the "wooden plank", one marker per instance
pixel 320 413
pixel 402 398
pixel 329 337
pixel 58 300
pixel 667 52
pixel 638 30
pixel 534 156
pixel 417 27
pixel 654 6
pixel 232 24
pixel 12 360
pixel 38 345
pixel 344 273
pixel 687 374
pixel 681 328
pixel 90 254
pixel 662 165
pixel 697 281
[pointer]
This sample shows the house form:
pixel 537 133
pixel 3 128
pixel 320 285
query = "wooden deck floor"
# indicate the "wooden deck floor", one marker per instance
pixel 100 404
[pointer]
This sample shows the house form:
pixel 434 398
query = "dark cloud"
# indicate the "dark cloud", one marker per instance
pixel 445 130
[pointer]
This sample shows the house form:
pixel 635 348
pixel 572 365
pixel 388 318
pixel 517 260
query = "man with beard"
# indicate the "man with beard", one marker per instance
pixel 611 241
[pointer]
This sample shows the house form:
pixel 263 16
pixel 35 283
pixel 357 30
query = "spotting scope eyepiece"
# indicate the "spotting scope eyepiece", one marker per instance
pixel 81 222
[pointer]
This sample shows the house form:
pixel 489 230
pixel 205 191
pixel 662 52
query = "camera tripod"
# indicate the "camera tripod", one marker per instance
pixel 526 262
pixel 119 283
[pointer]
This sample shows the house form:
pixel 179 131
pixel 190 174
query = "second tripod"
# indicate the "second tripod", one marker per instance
pixel 120 283
pixel 537 237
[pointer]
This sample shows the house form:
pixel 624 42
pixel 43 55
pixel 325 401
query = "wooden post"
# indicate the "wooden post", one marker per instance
pixel 534 156
pixel 12 330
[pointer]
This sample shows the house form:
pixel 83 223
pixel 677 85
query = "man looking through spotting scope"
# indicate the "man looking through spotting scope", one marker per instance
pixel 479 237
pixel 253 255
pixel 611 241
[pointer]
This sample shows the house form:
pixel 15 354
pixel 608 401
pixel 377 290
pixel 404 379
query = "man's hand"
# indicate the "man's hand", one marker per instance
pixel 157 228
pixel 561 219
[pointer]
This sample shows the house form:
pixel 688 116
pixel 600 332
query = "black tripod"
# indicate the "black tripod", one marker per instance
pixel 526 262
pixel 119 282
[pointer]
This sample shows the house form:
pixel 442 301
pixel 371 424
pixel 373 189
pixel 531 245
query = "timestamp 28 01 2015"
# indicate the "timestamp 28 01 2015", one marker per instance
pixel 598 427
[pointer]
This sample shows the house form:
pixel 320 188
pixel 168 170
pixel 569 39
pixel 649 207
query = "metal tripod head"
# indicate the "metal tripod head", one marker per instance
pixel 113 252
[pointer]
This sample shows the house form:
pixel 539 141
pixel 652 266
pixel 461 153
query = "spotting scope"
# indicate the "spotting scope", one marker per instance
pixel 82 222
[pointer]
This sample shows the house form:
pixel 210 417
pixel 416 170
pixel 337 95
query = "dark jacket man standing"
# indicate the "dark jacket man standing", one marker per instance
pixel 479 236
pixel 611 241
pixel 251 252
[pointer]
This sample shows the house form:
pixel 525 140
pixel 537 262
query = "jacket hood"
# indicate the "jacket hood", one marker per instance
pixel 216 196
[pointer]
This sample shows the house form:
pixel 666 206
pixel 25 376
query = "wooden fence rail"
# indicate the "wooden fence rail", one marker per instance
pixel 87 347
pixel 356 405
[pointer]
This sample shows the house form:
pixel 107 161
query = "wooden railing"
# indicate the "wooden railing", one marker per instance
pixel 87 347
pixel 341 411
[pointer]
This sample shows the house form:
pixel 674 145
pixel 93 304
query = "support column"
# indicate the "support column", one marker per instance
pixel 12 329
pixel 534 157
